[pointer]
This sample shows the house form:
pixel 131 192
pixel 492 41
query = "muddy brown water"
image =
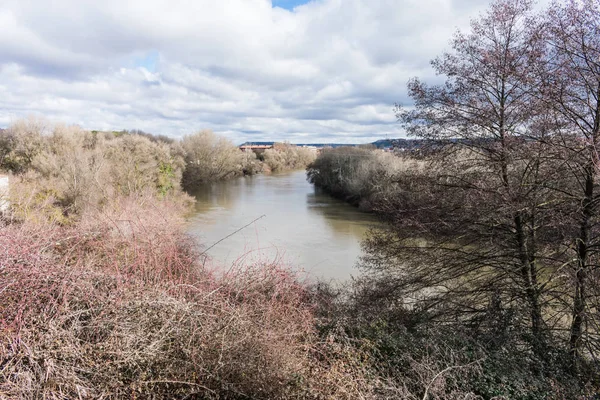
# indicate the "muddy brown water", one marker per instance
pixel 293 223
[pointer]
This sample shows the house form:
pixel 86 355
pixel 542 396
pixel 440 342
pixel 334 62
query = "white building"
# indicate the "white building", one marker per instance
pixel 3 193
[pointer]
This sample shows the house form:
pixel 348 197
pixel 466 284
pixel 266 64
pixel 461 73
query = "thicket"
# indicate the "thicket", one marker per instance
pixel 286 157
pixel 71 167
pixel 358 175
pixel 105 296
pixel 209 157
pixel 60 171
pixel 122 305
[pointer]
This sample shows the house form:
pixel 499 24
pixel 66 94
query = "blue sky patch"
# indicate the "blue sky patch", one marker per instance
pixel 148 61
pixel 289 4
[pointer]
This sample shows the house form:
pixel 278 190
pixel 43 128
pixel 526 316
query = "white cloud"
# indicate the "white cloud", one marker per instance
pixel 330 70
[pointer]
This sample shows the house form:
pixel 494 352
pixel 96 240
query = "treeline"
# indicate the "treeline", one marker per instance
pixel 488 257
pixel 209 157
pixel 64 169
pixel 60 172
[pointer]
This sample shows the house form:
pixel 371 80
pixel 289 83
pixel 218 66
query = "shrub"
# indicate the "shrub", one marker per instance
pixel 137 163
pixel 21 142
pixel 209 157
pixel 74 170
pixel 358 175
pixel 285 157
pixel 122 305
pixel 486 358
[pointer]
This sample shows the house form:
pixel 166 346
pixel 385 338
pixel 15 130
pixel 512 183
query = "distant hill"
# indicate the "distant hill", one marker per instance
pixel 299 144
pixel 408 144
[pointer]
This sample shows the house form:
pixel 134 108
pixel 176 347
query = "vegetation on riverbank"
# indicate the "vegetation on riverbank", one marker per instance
pixel 122 305
pixel 209 157
pixel 105 296
pixel 357 175
pixel 35 150
pixel 491 236
pixel 287 157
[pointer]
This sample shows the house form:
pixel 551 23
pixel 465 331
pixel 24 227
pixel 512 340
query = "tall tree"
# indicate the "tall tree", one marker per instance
pixel 484 227
pixel 572 90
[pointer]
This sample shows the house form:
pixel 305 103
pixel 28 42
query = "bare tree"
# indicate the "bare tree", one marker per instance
pixel 286 156
pixel 481 209
pixel 21 142
pixel 572 90
pixel 209 157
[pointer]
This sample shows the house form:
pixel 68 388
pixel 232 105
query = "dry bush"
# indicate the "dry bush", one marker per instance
pixel 209 157
pixel 251 165
pixel 33 201
pixel 76 170
pixel 360 176
pixel 121 306
pixel 72 167
pixel 137 163
pixel 21 142
pixel 140 236
pixel 285 157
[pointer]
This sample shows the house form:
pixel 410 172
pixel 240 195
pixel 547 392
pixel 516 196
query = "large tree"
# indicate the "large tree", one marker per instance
pixel 571 89
pixel 209 157
pixel 472 230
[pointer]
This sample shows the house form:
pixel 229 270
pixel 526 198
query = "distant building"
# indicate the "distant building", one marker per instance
pixel 3 193
pixel 256 148
pixel 314 149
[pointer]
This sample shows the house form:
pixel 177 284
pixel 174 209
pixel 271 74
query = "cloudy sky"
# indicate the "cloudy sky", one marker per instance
pixel 297 70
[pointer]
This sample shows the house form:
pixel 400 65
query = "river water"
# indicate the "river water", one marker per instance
pixel 295 224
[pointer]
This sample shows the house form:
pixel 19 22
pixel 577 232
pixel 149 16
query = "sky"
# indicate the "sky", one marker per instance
pixel 305 71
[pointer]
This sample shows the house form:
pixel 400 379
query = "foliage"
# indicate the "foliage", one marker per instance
pixel 357 174
pixel 285 156
pixel 122 305
pixel 209 157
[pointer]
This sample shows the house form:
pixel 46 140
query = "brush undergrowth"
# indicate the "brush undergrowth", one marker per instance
pixel 122 305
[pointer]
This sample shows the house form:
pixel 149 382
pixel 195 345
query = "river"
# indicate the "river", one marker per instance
pixel 295 224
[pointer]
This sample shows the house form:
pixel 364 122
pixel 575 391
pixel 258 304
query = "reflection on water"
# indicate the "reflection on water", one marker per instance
pixel 301 226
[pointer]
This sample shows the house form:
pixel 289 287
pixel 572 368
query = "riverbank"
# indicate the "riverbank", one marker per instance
pixel 445 270
pixel 360 176
pixel 209 158
pixel 71 169
pixel 106 296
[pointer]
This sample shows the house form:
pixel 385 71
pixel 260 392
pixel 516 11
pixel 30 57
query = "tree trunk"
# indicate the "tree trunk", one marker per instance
pixel 528 273
pixel 583 245
pixel 582 261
